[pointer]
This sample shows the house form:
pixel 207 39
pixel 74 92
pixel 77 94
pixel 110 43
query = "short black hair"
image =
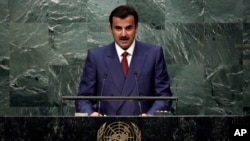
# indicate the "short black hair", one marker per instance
pixel 122 12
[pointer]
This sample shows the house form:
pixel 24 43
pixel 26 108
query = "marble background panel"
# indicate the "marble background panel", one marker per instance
pixel 43 45
pixel 223 11
pixel 220 42
pixel 28 11
pixel 184 11
pixel 246 33
pixel 4 11
pixel 225 88
pixel 246 10
pixel 99 10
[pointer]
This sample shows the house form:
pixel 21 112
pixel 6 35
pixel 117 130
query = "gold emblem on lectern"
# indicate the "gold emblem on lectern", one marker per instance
pixel 119 131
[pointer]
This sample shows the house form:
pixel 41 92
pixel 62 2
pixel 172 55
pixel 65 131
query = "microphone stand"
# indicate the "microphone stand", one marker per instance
pixel 137 90
pixel 99 102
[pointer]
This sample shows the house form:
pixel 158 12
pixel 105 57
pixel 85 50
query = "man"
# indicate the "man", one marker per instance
pixel 141 62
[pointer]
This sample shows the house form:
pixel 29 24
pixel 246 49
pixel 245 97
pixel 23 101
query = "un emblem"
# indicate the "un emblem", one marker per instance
pixel 118 131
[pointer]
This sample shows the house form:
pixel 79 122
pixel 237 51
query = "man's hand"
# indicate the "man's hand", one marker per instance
pixel 95 114
pixel 143 115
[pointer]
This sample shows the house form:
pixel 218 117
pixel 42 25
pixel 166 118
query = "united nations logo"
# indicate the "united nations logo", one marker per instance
pixel 118 131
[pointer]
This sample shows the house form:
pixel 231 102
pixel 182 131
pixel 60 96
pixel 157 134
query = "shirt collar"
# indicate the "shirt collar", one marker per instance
pixel 130 50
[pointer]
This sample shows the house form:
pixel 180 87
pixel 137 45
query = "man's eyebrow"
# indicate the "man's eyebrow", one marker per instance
pixel 118 26
pixel 129 26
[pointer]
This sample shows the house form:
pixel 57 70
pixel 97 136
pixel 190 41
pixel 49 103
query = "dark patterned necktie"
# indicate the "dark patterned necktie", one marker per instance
pixel 124 63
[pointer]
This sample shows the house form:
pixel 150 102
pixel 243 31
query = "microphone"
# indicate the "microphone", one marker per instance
pixel 105 75
pixel 137 90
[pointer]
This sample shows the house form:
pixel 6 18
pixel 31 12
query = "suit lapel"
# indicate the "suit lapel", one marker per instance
pixel 125 86
pixel 114 67
pixel 136 65
pixel 138 60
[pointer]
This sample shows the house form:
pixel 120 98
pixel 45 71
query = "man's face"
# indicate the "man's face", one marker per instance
pixel 123 31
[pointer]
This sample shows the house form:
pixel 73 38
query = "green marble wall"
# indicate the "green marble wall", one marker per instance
pixel 43 44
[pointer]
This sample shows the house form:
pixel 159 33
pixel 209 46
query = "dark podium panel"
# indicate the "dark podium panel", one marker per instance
pixel 172 128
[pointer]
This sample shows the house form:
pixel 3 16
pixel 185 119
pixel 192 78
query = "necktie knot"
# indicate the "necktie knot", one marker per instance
pixel 125 54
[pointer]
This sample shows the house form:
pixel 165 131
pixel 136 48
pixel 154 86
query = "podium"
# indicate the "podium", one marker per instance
pixel 171 128
pixel 128 98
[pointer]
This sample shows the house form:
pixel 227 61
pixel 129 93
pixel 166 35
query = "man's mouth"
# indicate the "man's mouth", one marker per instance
pixel 124 39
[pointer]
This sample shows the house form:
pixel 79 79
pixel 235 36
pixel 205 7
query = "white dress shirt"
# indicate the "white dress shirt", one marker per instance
pixel 130 51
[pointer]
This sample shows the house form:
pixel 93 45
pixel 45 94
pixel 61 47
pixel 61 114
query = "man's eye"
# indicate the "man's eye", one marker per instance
pixel 118 28
pixel 129 28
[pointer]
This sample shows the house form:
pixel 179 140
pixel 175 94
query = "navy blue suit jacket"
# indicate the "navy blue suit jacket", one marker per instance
pixel 153 80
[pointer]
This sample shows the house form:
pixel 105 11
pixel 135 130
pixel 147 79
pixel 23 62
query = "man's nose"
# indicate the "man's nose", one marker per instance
pixel 124 32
